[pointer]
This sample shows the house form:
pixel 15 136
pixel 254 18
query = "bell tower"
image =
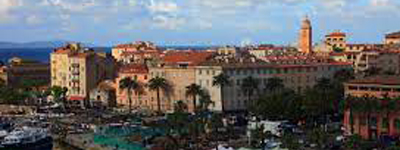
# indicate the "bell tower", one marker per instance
pixel 305 37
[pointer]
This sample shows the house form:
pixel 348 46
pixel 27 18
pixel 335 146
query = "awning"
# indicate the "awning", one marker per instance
pixel 76 98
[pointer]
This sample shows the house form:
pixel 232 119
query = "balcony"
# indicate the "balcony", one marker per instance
pixel 75 72
pixel 75 65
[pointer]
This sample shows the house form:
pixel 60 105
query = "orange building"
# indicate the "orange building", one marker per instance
pixel 140 97
pixel 336 40
pixel 392 38
pixel 137 52
pixel 305 38
pixel 179 69
pixel 378 123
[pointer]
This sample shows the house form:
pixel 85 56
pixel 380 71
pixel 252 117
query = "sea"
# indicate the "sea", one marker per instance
pixel 43 54
pixel 38 54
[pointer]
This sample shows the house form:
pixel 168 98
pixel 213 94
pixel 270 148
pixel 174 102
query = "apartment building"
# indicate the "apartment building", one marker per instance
pixel 137 52
pixel 20 70
pixel 140 96
pixel 379 123
pixel 392 38
pixel 179 69
pixel 80 70
pixel 297 74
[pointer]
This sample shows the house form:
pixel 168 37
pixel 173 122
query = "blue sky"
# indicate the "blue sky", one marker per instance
pixel 108 22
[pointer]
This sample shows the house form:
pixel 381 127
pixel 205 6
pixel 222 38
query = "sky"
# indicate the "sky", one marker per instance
pixel 194 22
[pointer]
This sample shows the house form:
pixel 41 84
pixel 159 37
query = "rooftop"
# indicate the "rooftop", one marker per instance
pixel 377 80
pixel 134 68
pixel 336 34
pixel 393 35
pixel 191 58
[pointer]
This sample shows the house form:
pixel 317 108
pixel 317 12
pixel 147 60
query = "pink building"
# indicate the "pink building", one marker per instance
pixel 379 122
pixel 140 97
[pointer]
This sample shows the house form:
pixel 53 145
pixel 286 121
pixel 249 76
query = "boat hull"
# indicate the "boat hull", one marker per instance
pixel 44 144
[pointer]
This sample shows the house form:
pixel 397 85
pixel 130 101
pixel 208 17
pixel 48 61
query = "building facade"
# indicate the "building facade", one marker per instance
pixel 392 38
pixel 378 123
pixel 140 96
pixel 296 74
pixel 135 52
pixel 80 70
pixel 336 40
pixel 20 70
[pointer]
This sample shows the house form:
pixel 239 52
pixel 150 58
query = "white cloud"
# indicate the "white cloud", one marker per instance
pixel 71 6
pixel 33 20
pixel 169 23
pixel 163 7
pixel 5 7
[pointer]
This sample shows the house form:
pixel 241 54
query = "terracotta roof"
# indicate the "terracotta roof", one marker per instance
pixel 287 65
pixel 334 34
pixel 393 35
pixel 61 50
pixel 134 68
pixel 128 53
pixel 191 58
pixel 379 80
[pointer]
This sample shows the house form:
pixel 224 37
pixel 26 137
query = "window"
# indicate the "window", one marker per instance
pixel 200 71
pixel 353 88
pixel 238 82
pixel 397 123
pixel 385 123
pixel 373 121
pixel 363 121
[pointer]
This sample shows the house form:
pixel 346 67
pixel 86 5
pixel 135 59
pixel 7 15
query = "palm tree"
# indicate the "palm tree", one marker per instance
pixel 157 84
pixel 205 100
pixel 249 85
pixel 180 107
pixel 193 90
pixel 59 94
pixel 221 80
pixel 274 83
pixel 129 85
pixel 370 106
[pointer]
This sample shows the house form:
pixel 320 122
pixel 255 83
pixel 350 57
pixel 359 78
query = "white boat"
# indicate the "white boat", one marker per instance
pixel 27 137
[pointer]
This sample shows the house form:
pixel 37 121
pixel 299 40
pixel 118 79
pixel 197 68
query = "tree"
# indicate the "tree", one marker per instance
pixel 157 84
pixel 59 93
pixel 369 105
pixel 204 100
pixel 274 83
pixel 194 90
pixel 221 80
pixel 284 104
pixel 354 142
pixel 344 75
pixel 249 85
pixel 129 85
pixel 180 106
